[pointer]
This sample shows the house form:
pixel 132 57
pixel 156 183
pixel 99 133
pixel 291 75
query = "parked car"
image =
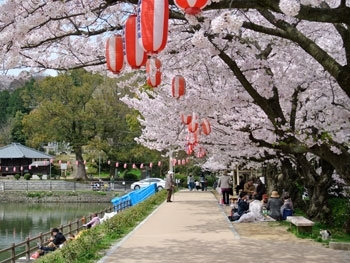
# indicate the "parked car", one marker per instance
pixel 146 182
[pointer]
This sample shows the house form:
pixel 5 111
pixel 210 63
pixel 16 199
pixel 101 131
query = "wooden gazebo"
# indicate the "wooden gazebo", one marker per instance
pixel 16 158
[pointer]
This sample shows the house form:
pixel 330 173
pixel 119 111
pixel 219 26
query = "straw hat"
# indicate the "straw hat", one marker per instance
pixel 275 194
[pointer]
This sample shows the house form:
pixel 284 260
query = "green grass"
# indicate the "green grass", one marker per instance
pixel 93 243
pixel 338 233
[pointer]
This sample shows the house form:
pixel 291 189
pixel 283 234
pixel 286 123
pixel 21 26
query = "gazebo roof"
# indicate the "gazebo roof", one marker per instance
pixel 17 150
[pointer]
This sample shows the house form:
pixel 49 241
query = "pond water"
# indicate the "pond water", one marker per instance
pixel 18 221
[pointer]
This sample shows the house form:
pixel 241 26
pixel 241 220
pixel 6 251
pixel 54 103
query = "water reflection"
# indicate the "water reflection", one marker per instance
pixel 18 221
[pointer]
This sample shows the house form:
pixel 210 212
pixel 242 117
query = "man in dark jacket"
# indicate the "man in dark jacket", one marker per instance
pixel 260 189
pixel 57 239
pixel 240 186
pixel 242 207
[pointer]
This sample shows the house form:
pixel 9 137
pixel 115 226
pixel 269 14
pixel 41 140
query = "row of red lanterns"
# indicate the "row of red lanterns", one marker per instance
pixel 145 34
pixel 14 168
pixel 192 123
pixel 190 148
pixel 179 161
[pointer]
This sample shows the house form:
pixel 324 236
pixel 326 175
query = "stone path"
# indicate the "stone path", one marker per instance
pixel 194 228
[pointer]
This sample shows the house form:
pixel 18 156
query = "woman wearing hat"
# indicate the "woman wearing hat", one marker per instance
pixel 274 206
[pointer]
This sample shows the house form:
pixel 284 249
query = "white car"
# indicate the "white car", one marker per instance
pixel 148 181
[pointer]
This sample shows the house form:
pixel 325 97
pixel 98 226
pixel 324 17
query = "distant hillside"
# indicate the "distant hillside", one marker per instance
pixel 10 82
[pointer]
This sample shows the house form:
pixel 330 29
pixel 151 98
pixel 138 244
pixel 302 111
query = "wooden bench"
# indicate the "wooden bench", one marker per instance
pixel 302 224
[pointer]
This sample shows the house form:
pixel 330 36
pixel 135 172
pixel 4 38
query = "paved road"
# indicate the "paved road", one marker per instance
pixel 194 228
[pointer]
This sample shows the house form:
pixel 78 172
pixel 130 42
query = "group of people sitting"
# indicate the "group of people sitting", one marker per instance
pixel 57 238
pixel 250 210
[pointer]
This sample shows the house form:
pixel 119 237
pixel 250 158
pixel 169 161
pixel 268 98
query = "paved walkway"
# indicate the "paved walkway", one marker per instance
pixel 194 228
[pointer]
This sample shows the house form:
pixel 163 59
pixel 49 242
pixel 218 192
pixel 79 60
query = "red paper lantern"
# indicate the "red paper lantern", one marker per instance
pixel 154 74
pixel 135 56
pixel 201 153
pixel 154 81
pixel 150 165
pixel 115 54
pixel 117 164
pixel 195 138
pixel 191 7
pixel 193 125
pixel 185 118
pixel 189 149
pixel 205 126
pixel 125 165
pixel 178 86
pixel 152 24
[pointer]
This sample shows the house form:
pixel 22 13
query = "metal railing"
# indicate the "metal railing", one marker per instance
pixel 61 185
pixel 24 249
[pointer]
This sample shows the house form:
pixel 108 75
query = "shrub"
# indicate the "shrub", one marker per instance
pixel 17 176
pixel 130 177
pixel 90 246
pixel 27 176
pixel 40 176
pixel 55 176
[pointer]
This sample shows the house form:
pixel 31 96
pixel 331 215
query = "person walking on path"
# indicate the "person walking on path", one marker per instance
pixel 169 185
pixel 203 182
pixel 190 182
pixel 225 183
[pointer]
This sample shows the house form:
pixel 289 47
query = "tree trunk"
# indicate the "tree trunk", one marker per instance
pixel 317 185
pixel 294 181
pixel 81 171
